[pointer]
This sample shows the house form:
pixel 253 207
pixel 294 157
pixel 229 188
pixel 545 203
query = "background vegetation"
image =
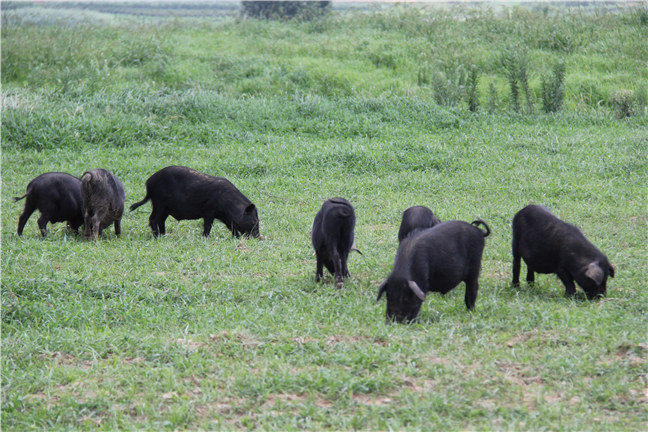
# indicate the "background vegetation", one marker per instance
pixel 372 105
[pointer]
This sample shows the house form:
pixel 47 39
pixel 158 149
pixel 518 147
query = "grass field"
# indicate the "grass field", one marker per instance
pixel 186 332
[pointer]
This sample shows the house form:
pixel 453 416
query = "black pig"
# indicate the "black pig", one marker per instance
pixel 549 245
pixel 437 260
pixel 103 201
pixel 332 238
pixel 185 193
pixel 415 219
pixel 57 196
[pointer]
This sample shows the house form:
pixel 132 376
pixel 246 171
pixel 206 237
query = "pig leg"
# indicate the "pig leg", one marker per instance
pixel 96 227
pixel 161 221
pixel 207 226
pixel 319 271
pixel 337 265
pixel 27 212
pixel 235 232
pixel 570 288
pixel 87 224
pixel 516 270
pixel 516 262
pixel 42 224
pixel 153 222
pixel 118 227
pixel 530 275
pixel 472 287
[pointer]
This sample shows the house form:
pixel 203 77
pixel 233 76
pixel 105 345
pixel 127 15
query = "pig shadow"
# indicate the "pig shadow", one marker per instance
pixel 546 290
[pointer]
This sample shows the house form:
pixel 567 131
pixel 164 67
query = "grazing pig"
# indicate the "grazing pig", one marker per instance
pixel 185 193
pixel 416 219
pixel 332 238
pixel 549 245
pixel 57 196
pixel 437 260
pixel 103 201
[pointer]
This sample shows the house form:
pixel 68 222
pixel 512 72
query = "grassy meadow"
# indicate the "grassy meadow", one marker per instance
pixel 186 332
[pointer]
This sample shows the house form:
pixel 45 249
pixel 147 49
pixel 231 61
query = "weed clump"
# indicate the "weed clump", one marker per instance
pixel 423 75
pixel 553 89
pixel 509 63
pixel 449 86
pixel 523 74
pixel 624 103
pixel 471 90
pixel 304 10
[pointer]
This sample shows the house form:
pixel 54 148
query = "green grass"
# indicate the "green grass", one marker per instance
pixel 186 332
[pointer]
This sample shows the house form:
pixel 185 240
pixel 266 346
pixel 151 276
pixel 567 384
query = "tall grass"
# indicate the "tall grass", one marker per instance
pixel 401 51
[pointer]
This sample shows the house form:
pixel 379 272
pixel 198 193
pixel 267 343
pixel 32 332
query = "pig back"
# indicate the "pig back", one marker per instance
pixel 444 255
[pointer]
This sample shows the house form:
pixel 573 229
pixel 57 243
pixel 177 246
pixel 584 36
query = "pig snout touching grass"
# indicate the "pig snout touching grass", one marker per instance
pixel 185 193
pixel 550 245
pixel 57 196
pixel 103 202
pixel 416 219
pixel 435 260
pixel 332 238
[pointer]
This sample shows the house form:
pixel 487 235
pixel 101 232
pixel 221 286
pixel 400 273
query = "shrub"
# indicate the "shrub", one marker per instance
pixel 553 89
pixel 509 62
pixel 423 75
pixel 449 86
pixel 471 90
pixel 639 16
pixel 624 104
pixel 285 9
pixel 523 75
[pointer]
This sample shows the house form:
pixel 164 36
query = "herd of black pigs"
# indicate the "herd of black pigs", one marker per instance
pixel 432 256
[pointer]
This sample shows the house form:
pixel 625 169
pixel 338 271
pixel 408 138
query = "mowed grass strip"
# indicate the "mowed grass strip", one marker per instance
pixel 221 333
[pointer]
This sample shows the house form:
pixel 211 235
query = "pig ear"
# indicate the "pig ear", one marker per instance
pixel 611 271
pixel 594 272
pixel 416 290
pixel 250 208
pixel 381 289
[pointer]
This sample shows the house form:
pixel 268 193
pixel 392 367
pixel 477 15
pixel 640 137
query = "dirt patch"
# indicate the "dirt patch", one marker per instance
pixel 432 359
pixel 65 359
pixel 421 386
pixel 372 400
pixel 634 355
pixel 243 339
pixel 226 405
pixel 189 344
pixel 38 398
pixel 282 399
pixel 496 275
pixel 538 338
pixel 518 374
pixel 343 339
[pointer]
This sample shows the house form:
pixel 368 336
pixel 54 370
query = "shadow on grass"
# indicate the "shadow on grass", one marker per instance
pixel 556 292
